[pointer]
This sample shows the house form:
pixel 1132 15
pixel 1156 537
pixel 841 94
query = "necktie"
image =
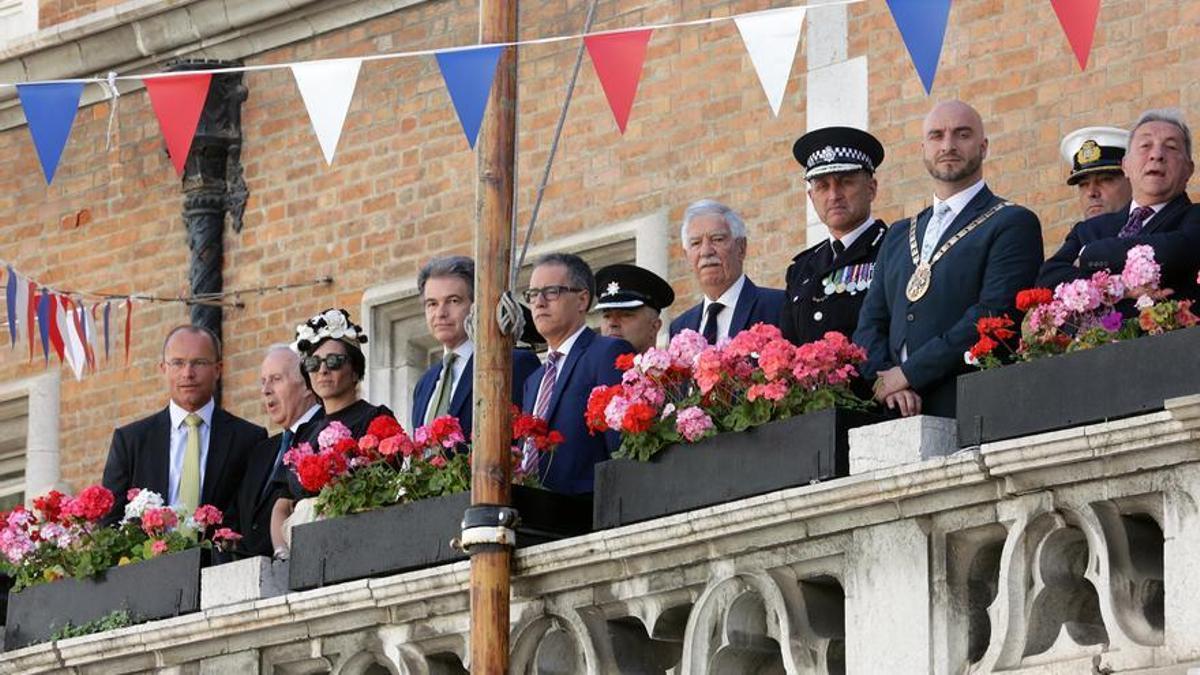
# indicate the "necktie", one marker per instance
pixel 440 403
pixel 710 322
pixel 541 407
pixel 1137 218
pixel 189 478
pixel 838 248
pixel 935 229
pixel 284 445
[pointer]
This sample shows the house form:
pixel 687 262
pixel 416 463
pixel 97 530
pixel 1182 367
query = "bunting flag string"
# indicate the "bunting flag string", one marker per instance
pixel 1078 19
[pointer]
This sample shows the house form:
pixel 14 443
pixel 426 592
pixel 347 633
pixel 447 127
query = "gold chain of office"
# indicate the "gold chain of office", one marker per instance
pixel 922 276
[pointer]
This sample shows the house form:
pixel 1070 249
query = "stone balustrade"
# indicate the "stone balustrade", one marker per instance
pixel 1074 551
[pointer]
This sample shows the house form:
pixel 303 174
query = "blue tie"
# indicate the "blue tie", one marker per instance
pixel 284 445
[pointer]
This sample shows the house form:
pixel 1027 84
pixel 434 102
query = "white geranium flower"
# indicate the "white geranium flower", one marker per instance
pixel 1144 301
pixel 145 500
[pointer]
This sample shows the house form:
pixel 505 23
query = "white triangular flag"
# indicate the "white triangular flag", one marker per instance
pixel 772 38
pixel 74 350
pixel 327 87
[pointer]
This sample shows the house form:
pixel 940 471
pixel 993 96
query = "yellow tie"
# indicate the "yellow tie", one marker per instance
pixel 189 480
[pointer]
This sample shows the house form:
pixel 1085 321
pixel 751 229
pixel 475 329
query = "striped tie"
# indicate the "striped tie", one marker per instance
pixel 541 408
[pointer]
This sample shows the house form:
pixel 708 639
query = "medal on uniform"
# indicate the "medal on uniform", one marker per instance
pixel 922 276
pixel 841 284
pixel 829 286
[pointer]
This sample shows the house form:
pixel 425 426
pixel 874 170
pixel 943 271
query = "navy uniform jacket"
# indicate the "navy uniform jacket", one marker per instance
pixel 754 305
pixel 980 276
pixel 823 297
pixel 140 456
pixel 462 403
pixel 1174 232
pixel 590 363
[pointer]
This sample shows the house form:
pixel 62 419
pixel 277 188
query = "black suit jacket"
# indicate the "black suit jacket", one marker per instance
pixel 754 305
pixel 980 276
pixel 253 508
pixel 462 403
pixel 811 308
pixel 140 456
pixel 1174 232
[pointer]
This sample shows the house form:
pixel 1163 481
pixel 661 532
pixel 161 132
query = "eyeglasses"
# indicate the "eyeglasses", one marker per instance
pixel 312 364
pixel 550 293
pixel 196 364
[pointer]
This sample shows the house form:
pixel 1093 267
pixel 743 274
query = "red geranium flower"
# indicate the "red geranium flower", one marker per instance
pixel 997 327
pixel 598 400
pixel 1030 298
pixel 345 446
pixel 624 362
pixel 158 521
pixel 313 472
pixel 50 505
pixel 207 515
pixel 384 426
pixel 639 417
pixel 91 505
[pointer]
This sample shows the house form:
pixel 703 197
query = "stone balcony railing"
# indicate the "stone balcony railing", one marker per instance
pixel 1075 551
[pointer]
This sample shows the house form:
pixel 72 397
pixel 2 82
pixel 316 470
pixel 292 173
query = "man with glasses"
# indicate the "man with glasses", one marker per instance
pixel 191 452
pixel 714 239
pixel 447 288
pixel 560 293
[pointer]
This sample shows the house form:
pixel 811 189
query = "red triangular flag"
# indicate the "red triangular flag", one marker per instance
pixel 128 325
pixel 178 101
pixel 1078 19
pixel 618 58
pixel 55 334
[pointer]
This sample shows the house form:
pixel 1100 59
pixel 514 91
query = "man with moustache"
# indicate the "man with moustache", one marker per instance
pixel 631 302
pixel 289 403
pixel 714 239
pixel 1095 155
pixel 447 288
pixel 826 283
pixel 190 452
pixel 1159 214
pixel 939 272
pixel 560 292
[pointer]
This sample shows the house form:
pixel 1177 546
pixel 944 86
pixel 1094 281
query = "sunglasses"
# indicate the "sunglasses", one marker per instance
pixel 312 364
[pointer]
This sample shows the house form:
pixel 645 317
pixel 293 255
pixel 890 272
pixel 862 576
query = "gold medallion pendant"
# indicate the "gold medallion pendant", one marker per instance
pixel 918 283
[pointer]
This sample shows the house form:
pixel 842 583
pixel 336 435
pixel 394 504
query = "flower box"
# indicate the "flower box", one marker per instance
pixel 165 586
pixel 417 534
pixel 783 454
pixel 1107 382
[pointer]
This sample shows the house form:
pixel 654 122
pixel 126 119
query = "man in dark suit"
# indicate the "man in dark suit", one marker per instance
pixel 560 292
pixel 938 273
pixel 827 282
pixel 289 403
pixel 191 452
pixel 447 287
pixel 714 239
pixel 1159 165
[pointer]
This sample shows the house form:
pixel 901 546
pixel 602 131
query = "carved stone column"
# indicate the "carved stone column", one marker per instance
pixel 213 186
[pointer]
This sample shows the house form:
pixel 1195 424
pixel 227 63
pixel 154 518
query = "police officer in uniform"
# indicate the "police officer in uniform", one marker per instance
pixel 826 283
pixel 631 300
pixel 1095 155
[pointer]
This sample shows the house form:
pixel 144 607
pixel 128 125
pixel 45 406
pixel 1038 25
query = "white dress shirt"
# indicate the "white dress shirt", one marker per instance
pixel 179 434
pixel 462 353
pixel 852 236
pixel 729 298
pixel 957 203
pixel 308 415
pixel 564 349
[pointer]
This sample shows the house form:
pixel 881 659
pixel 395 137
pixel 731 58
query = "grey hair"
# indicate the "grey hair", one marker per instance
pixel 284 347
pixel 1172 116
pixel 712 207
pixel 578 270
pixel 448 266
pixel 195 330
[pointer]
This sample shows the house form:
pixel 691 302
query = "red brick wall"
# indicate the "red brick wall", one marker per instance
pixel 53 12
pixel 402 187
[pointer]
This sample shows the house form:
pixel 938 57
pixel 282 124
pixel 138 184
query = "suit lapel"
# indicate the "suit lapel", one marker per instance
pixel 745 303
pixel 458 401
pixel 564 372
pixel 1168 215
pixel 159 454
pixel 220 438
pixel 424 392
pixel 265 476
pixel 970 212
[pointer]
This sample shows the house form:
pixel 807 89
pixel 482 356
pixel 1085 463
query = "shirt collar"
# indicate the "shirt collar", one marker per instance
pixel 463 351
pixel 730 296
pixel 850 237
pixel 565 347
pixel 308 415
pixel 205 412
pixel 959 200
pixel 1157 207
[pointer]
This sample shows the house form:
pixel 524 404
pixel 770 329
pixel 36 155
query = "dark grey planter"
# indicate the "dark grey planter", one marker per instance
pixel 415 535
pixel 771 457
pixel 158 588
pixel 1108 382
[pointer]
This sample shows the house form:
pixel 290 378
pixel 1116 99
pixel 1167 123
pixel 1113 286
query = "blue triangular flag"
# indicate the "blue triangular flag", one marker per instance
pixel 468 74
pixel 50 109
pixel 10 298
pixel 43 314
pixel 922 25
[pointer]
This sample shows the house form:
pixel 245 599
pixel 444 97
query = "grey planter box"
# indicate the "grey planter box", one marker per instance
pixel 158 588
pixel 1108 382
pixel 726 467
pixel 415 535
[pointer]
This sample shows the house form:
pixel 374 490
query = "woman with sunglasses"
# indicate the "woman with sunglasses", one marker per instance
pixel 332 365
